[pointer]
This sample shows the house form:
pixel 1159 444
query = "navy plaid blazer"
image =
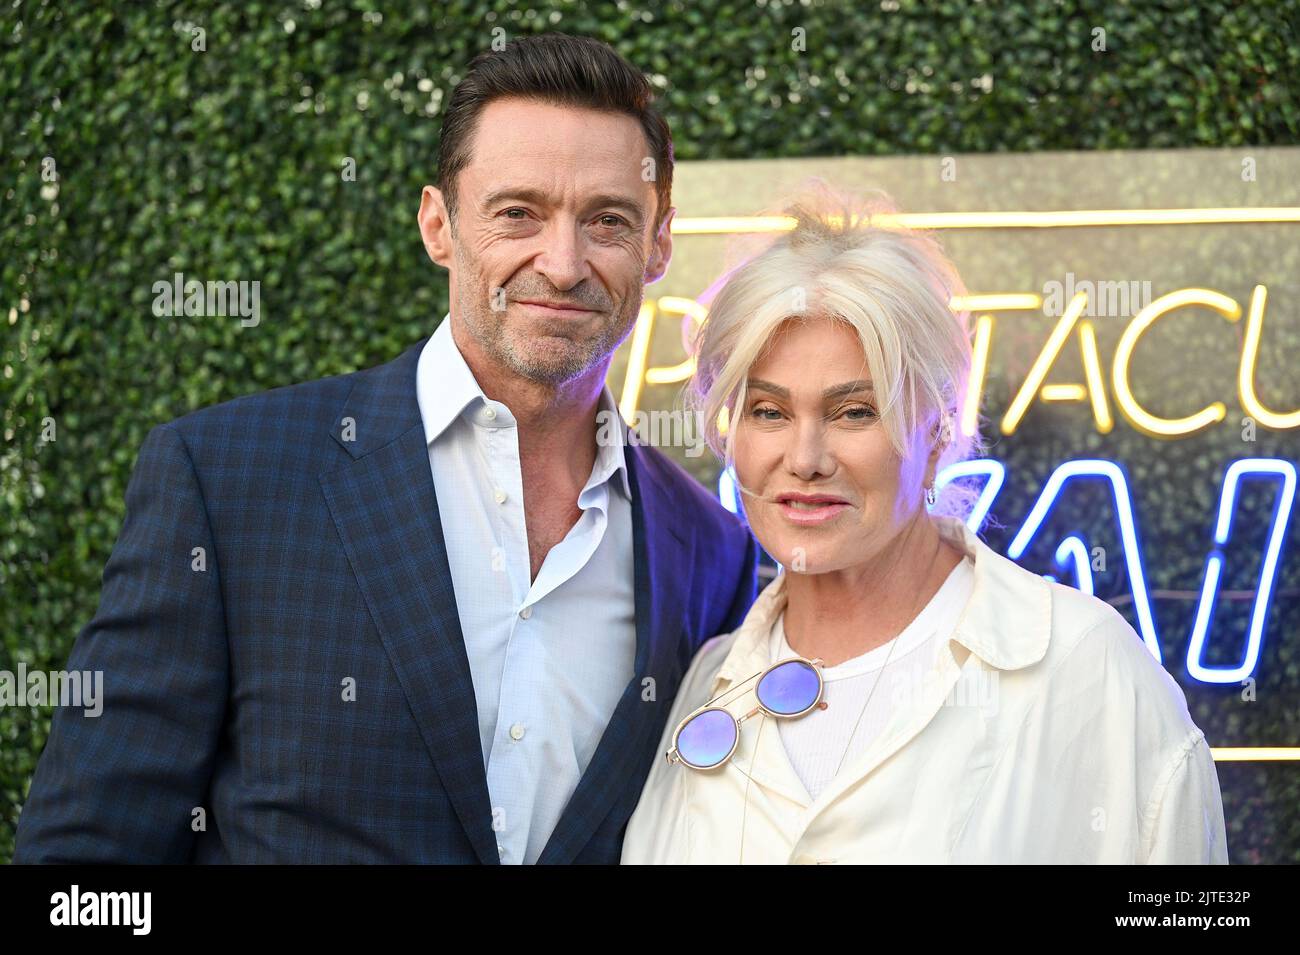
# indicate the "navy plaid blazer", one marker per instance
pixel 225 736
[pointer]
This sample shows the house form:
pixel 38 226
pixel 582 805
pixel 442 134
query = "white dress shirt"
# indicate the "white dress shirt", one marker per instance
pixel 1045 732
pixel 550 657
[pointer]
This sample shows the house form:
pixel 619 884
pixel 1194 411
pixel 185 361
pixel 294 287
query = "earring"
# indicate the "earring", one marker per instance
pixel 930 496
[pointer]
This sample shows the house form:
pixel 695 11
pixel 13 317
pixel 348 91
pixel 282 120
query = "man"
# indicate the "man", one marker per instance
pixel 419 613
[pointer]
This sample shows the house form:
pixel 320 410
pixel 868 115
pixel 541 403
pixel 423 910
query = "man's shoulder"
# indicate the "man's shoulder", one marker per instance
pixel 300 401
pixel 298 416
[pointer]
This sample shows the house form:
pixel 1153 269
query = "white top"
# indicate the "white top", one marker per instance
pixel 550 657
pixel 1045 733
pixel 817 742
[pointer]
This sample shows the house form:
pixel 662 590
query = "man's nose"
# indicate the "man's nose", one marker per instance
pixel 563 259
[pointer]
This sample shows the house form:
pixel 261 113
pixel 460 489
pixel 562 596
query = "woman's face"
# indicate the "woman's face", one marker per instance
pixel 831 491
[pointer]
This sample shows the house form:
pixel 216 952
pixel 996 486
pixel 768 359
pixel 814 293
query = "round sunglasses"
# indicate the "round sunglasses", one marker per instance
pixel 708 737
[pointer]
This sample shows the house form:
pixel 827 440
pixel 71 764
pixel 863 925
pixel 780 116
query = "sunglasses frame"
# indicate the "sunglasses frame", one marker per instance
pixel 674 755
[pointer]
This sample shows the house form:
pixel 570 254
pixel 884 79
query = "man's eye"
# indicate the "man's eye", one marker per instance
pixel 522 212
pixel 612 221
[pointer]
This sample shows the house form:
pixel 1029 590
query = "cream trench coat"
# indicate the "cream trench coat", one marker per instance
pixel 1044 733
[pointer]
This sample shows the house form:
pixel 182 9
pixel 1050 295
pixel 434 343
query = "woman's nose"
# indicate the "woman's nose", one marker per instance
pixel 809 454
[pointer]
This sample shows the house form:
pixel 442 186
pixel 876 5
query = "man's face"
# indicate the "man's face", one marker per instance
pixel 552 208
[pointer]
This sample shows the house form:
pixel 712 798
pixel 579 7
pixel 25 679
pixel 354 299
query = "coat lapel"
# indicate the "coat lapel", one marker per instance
pixel 386 511
pixel 664 567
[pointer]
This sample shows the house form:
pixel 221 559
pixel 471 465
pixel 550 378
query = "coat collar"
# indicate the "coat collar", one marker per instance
pixel 1002 639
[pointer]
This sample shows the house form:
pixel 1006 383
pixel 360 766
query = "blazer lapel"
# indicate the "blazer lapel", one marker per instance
pixel 386 511
pixel 663 562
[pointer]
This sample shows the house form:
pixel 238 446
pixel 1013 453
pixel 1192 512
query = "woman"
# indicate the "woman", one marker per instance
pixel 1019 720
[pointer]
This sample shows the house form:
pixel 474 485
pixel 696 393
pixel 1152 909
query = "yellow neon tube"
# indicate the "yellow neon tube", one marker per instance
pixel 1092 373
pixel 1246 370
pixel 1034 380
pixel 1058 219
pixel 979 366
pixel 1139 417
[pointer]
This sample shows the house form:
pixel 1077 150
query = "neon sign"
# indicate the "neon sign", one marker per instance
pixel 1267 574
pixel 1072 551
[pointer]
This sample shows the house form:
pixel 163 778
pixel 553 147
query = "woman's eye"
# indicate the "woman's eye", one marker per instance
pixel 520 211
pixel 765 413
pixel 859 413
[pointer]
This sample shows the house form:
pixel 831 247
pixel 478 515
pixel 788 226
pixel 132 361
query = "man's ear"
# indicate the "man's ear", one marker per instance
pixel 661 250
pixel 435 227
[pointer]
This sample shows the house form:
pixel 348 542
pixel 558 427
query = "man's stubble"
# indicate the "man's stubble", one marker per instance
pixel 556 356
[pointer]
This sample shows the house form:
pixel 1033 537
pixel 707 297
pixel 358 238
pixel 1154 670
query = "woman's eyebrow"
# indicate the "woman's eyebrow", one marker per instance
pixel 848 388
pixel 762 385
pixel 835 391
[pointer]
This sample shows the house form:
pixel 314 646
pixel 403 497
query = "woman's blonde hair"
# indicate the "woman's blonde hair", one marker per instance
pixel 891 285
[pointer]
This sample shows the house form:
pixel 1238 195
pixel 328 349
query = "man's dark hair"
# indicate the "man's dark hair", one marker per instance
pixel 562 70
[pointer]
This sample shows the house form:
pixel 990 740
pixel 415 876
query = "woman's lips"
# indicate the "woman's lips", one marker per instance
pixel 811 512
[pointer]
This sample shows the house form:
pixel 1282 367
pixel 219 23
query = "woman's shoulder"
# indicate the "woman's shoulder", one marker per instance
pixel 1093 644
pixel 1084 625
pixel 705 665
pixel 1067 627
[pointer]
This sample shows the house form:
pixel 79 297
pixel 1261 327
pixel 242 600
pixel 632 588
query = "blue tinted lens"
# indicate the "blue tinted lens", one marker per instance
pixel 789 688
pixel 707 739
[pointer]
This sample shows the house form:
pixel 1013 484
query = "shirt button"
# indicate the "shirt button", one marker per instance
pixel 526 612
pixel 490 414
pixel 500 496
pixel 501 850
pixel 517 732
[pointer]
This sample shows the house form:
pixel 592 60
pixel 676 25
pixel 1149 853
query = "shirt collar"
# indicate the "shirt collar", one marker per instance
pixel 611 433
pixel 445 387
pixel 1006 623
